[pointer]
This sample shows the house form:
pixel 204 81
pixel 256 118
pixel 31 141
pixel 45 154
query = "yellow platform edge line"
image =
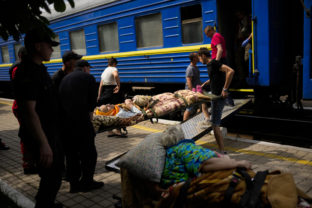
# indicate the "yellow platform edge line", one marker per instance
pixel 241 90
pixel 146 128
pixel 262 154
pixel 249 152
pixel 6 103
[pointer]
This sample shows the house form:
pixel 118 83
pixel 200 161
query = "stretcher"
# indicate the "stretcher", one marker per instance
pixel 158 106
pixel 153 107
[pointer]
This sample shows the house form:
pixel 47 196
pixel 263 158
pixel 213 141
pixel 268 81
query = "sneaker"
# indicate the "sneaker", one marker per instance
pixel 91 186
pixel 204 124
pixel 3 146
pixel 229 101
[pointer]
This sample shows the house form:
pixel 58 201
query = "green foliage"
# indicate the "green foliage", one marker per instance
pixel 19 16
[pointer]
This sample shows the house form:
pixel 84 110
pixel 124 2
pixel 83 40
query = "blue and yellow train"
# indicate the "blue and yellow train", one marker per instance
pixel 152 39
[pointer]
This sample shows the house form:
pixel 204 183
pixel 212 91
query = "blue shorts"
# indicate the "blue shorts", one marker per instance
pixel 192 109
pixel 216 111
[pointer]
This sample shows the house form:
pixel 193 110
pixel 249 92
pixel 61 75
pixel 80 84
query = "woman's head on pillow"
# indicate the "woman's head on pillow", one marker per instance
pixel 172 135
pixel 106 108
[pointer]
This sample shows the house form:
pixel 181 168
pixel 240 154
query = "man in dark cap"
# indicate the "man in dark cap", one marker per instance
pixel 37 112
pixel 69 60
pixel 78 95
pixel 29 164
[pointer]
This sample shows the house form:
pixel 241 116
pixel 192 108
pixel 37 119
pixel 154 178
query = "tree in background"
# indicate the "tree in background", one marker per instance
pixel 19 16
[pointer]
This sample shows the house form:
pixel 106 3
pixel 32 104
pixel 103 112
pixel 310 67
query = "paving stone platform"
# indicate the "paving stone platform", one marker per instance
pixel 263 155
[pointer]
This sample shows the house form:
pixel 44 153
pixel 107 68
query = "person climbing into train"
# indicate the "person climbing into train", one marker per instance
pixel 218 47
pixel 220 76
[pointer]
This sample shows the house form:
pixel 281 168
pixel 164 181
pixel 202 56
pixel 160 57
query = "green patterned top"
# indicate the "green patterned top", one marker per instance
pixel 183 161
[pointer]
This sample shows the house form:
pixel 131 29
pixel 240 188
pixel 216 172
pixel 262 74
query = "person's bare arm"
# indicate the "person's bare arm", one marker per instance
pixel 189 83
pixel 229 73
pixel 32 123
pixel 223 163
pixel 116 76
pixel 206 83
pixel 128 103
pixel 219 52
pixel 100 89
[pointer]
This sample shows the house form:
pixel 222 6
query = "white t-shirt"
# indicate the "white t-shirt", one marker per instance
pixel 107 77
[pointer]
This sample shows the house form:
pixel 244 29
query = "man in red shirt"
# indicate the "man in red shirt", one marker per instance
pixel 218 50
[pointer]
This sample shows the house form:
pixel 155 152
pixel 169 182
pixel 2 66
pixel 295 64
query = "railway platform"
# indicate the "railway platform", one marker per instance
pixel 263 155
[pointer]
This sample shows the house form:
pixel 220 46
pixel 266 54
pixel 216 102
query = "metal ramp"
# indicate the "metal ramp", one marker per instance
pixel 191 129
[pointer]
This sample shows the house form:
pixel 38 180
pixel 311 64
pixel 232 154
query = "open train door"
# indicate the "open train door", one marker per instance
pixel 307 57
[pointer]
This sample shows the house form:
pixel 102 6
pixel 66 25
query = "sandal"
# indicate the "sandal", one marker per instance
pixel 118 135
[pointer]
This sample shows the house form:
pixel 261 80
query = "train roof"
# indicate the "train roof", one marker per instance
pixel 80 5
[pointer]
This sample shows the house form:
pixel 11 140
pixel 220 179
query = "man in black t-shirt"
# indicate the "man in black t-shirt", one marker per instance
pixel 78 94
pixel 69 60
pixel 220 77
pixel 35 97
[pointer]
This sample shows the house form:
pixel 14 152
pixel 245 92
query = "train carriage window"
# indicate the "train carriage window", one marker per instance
pixel 149 30
pixel 16 48
pixel 78 42
pixel 108 37
pixel 5 54
pixel 57 49
pixel 192 24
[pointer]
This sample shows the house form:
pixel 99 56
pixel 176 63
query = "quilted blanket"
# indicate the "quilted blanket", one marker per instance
pixel 152 106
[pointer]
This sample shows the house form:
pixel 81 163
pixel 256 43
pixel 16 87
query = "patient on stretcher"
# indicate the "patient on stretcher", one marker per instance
pixel 125 110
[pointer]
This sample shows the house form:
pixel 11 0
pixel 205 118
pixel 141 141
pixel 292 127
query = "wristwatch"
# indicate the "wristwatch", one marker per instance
pixel 225 90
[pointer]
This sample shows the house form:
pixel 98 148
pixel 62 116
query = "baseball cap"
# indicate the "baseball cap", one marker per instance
pixel 37 36
pixel 69 55
pixel 82 63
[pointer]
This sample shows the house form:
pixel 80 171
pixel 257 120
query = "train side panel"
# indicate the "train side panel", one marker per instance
pixel 307 60
pixel 261 32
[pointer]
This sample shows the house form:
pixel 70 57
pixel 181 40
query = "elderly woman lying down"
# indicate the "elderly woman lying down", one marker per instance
pixel 126 110
pixel 185 159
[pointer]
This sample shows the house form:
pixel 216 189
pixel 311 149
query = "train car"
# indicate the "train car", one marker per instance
pixel 152 40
